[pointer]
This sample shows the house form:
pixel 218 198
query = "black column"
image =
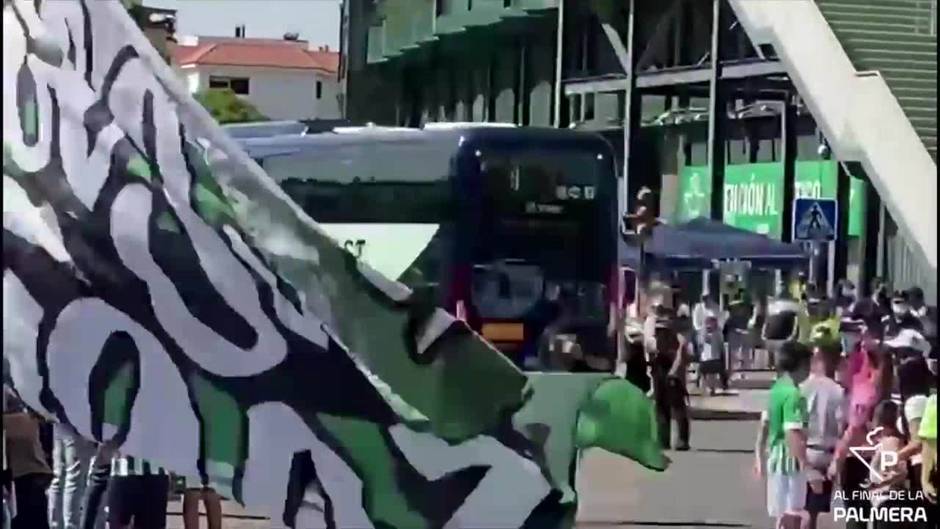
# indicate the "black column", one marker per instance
pixel 843 194
pixel 717 115
pixel 631 121
pixel 872 236
pixel 789 168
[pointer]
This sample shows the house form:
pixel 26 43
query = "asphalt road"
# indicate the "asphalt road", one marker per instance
pixel 710 486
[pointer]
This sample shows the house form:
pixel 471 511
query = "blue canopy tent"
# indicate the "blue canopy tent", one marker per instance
pixel 700 243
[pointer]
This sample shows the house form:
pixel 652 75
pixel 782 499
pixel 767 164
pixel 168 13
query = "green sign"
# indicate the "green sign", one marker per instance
pixel 754 194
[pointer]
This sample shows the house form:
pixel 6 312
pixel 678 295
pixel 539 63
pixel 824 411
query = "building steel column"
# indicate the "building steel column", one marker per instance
pixel 871 264
pixel 559 64
pixel 843 194
pixel 788 132
pixel 717 116
pixel 632 106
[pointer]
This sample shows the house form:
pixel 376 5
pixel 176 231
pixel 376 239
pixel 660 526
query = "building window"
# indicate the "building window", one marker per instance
pixel 438 7
pixel 319 89
pixel 239 85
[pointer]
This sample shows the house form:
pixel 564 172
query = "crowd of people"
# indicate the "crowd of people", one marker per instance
pixel 855 411
pixel 853 372
pixel 62 481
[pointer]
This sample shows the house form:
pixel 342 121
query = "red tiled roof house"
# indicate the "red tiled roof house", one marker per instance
pixel 283 79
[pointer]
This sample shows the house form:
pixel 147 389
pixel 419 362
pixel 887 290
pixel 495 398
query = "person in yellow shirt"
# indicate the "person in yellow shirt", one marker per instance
pixel 928 436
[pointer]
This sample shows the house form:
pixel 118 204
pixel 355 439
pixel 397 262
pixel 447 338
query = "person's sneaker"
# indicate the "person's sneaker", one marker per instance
pixel 682 447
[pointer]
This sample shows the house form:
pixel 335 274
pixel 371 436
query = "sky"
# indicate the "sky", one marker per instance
pixel 316 21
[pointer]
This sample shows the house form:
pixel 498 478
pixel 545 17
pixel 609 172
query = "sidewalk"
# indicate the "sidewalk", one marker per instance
pixel 745 399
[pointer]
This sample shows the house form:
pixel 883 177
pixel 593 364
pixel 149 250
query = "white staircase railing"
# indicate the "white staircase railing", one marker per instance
pixel 861 118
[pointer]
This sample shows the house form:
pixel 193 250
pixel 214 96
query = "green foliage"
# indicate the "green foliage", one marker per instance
pixel 226 107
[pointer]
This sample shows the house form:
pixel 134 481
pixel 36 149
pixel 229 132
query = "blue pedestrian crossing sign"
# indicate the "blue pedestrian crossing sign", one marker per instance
pixel 815 219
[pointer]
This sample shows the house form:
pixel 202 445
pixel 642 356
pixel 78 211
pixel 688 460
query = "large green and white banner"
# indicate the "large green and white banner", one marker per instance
pixel 754 194
pixel 163 295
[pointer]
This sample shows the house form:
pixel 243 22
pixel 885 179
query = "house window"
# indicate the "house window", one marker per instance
pixel 239 85
pixel 319 89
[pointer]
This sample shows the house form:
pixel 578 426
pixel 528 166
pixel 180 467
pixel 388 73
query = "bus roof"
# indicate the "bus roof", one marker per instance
pixel 452 139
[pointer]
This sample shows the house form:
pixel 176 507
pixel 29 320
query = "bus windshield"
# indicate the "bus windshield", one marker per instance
pixel 546 210
pixel 510 231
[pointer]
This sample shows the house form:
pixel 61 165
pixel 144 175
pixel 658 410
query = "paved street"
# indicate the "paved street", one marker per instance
pixel 710 486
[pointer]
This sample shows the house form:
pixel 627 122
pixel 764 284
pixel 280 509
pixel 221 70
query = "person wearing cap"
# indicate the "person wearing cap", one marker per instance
pixel 901 316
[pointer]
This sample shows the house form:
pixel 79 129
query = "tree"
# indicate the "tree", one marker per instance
pixel 226 107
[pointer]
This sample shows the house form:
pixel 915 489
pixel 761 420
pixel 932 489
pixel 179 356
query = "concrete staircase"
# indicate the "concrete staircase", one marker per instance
pixel 898 39
pixel 859 109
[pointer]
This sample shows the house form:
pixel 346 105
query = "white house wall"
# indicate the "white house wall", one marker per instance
pixel 278 93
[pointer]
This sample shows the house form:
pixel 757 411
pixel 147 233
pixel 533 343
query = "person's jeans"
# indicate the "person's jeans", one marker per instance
pixel 71 456
pixel 739 349
pixel 93 503
pixel 670 400
pixel 32 507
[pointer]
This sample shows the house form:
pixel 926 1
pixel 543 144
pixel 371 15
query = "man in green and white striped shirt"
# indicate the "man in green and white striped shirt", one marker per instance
pixel 783 431
pixel 138 494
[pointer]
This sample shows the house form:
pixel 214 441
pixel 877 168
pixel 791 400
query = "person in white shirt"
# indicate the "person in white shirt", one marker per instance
pixel 707 305
pixel 915 382
pixel 711 346
pixel 825 403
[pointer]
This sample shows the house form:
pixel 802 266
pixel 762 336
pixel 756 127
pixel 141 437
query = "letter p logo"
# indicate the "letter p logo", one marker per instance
pixel 888 460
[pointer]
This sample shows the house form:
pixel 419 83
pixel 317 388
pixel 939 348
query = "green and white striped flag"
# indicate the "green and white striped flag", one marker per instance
pixel 171 299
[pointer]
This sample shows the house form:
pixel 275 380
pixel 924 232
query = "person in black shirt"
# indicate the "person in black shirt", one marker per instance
pixel 740 312
pixel 901 317
pixel 881 301
pixel 667 352
pixel 635 359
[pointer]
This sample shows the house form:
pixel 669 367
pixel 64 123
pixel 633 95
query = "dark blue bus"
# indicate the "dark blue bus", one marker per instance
pixel 512 229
